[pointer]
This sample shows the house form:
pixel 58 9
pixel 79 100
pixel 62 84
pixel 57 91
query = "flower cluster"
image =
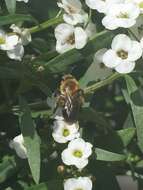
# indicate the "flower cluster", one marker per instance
pixel 68 34
pixel 77 152
pixel 126 14
pixel 118 13
pixel 79 28
pixel 13 43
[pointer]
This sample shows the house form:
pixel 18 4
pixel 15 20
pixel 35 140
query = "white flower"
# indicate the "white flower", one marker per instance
pixel 18 145
pixel 101 70
pixel 69 37
pixel 17 53
pixel 123 54
pixel 81 183
pixel 23 33
pixel 64 132
pixel 8 42
pixel 74 13
pixel 121 15
pixel 100 5
pixel 77 153
pixel 25 1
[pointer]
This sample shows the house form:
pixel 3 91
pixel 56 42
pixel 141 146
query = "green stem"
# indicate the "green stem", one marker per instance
pixel 101 84
pixel 135 37
pixel 46 24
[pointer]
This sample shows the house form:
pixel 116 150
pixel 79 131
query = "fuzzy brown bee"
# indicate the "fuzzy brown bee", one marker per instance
pixel 70 98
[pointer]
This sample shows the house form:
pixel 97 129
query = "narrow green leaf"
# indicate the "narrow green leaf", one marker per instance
pixel 42 186
pixel 10 19
pixel 7 169
pixel 50 185
pixel 136 102
pixel 115 141
pixel 11 6
pixel 126 135
pixel 105 155
pixel 9 73
pixel 31 139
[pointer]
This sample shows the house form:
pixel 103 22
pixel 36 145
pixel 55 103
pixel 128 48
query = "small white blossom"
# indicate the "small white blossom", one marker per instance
pixel 69 37
pixel 18 145
pixel 25 1
pixel 8 42
pixel 121 15
pixel 100 5
pixel 17 53
pixel 74 12
pixel 81 183
pixel 64 132
pixel 123 54
pixel 77 153
pixel 23 34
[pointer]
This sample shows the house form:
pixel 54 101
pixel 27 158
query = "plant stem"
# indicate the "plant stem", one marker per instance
pixel 101 84
pixel 135 37
pixel 46 24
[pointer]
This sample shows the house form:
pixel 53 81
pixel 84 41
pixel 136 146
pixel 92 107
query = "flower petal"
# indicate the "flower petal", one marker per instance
pixel 63 31
pixel 16 53
pixel 135 52
pixel 121 42
pixel 109 23
pixel 110 59
pixel 125 67
pixel 63 47
pixel 80 38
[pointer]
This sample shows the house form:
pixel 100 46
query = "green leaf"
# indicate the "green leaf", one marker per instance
pixel 92 115
pixel 104 155
pixel 126 135
pixel 96 71
pixel 42 186
pixel 63 61
pixel 116 140
pixel 9 73
pixel 136 102
pixel 105 176
pixel 10 19
pixel 50 185
pixel 7 169
pixel 11 6
pixel 31 139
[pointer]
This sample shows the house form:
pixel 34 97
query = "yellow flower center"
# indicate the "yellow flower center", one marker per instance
pixel 78 153
pixel 122 54
pixel 2 40
pixel 66 132
pixel 71 9
pixel 71 39
pixel 123 15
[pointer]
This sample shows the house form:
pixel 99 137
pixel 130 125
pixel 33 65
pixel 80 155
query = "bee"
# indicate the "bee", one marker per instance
pixel 70 98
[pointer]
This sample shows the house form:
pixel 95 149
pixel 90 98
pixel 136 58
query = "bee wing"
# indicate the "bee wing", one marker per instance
pixel 73 105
